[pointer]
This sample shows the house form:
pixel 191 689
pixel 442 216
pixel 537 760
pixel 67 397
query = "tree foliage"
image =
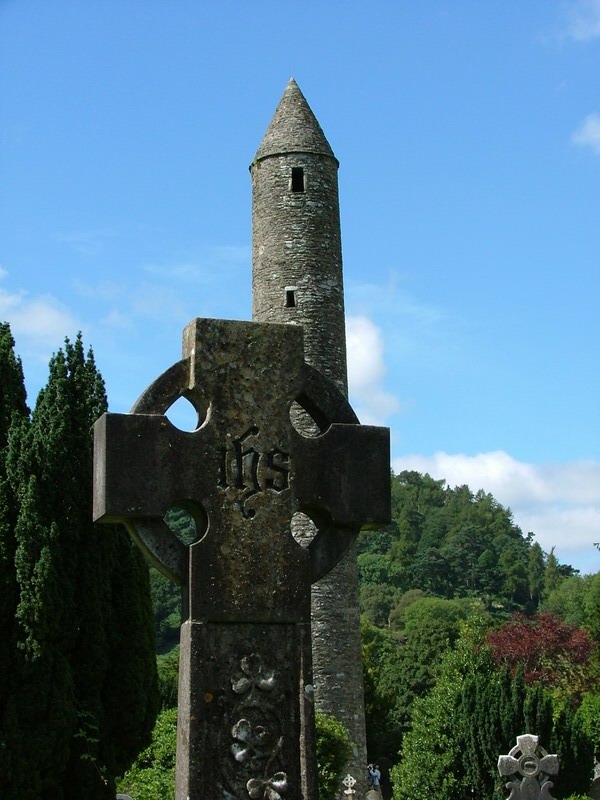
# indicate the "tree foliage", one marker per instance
pixel 474 712
pixel 549 650
pixel 430 759
pixel 78 672
pixel 152 775
pixel 333 752
pixel 450 552
pixel 166 595
pixel 448 542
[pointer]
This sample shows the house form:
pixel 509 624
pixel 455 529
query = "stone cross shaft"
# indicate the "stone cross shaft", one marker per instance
pixel 245 724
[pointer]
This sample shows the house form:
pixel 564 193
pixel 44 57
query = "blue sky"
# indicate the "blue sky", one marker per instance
pixel 469 140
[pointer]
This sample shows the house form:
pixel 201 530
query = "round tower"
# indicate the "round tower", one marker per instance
pixel 297 279
pixel 296 244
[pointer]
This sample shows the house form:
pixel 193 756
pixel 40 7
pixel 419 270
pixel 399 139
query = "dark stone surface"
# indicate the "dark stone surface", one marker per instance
pixel 242 690
pixel 243 474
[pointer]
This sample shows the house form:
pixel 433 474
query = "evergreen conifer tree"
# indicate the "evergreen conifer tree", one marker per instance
pixel 551 573
pixel 575 753
pixel 538 714
pixel 13 412
pixel 83 696
pixel 13 399
pixel 535 573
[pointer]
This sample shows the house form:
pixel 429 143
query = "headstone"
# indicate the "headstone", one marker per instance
pixel 349 782
pixel 528 765
pixel 245 717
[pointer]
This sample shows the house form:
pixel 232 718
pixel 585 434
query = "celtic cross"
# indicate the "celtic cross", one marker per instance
pixel 245 697
pixel 530 761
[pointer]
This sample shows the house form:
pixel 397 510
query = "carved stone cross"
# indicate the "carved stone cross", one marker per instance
pixel 529 760
pixel 349 782
pixel 245 694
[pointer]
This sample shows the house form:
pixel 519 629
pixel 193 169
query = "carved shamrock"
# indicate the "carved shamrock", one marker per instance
pixel 270 789
pixel 250 741
pixel 253 676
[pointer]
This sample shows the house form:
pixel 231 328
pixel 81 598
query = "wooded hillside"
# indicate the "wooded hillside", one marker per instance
pixel 473 635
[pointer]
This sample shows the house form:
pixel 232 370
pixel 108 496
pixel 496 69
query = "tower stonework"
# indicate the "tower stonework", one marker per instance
pixel 297 279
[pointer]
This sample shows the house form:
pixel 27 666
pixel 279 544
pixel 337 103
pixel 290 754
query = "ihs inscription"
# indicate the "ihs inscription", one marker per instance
pixel 247 470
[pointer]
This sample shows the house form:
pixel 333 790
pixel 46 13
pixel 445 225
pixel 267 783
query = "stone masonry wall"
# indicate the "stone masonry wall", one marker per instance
pixel 296 244
pixel 297 249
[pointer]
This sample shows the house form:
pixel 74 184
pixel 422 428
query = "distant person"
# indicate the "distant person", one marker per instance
pixel 375 778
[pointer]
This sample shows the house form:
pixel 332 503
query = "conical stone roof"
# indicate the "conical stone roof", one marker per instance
pixel 294 128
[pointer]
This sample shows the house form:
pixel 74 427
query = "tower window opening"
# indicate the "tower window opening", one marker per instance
pixel 297 179
pixel 290 298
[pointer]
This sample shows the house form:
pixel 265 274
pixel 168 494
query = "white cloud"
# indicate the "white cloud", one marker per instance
pixel 584 20
pixel 41 322
pixel 569 529
pixel 367 370
pixel 415 332
pixel 588 133
pixel 365 353
pixel 560 503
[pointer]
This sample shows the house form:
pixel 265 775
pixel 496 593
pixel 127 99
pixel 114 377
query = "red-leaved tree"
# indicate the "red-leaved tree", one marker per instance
pixel 550 651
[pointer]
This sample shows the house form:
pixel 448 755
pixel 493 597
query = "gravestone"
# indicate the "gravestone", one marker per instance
pixel 245 718
pixel 528 765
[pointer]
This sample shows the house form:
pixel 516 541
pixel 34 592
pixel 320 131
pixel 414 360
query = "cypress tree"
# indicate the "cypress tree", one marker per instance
pixel 575 754
pixel 535 574
pixel 40 706
pixel 476 718
pixel 13 413
pixel 518 691
pixel 13 398
pixel 538 713
pixel 84 697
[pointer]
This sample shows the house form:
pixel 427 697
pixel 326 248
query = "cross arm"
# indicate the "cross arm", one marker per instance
pixel 137 465
pixel 129 486
pixel 348 484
